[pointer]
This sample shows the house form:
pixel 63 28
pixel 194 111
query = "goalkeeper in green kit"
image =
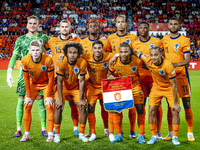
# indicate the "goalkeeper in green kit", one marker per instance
pixel 22 45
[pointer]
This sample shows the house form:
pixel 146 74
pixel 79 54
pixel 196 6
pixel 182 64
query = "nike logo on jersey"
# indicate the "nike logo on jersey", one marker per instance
pixel 86 46
pixel 138 47
pixel 57 43
pixel 29 68
pixel 114 42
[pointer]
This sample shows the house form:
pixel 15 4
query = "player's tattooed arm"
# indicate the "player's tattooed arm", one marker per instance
pixel 82 89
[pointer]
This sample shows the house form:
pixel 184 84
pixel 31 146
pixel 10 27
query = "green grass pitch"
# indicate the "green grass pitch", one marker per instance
pixel 8 103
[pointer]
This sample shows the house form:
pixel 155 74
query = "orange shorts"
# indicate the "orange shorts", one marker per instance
pixel 146 87
pixel 137 94
pixel 69 95
pixel 93 93
pixel 183 87
pixel 35 89
pixel 157 94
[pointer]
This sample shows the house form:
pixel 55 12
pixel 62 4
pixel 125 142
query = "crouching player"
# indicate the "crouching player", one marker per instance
pixel 40 67
pixel 164 85
pixel 73 88
pixel 127 65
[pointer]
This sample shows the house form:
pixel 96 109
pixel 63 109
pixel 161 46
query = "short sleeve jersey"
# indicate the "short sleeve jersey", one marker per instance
pixel 144 46
pixel 22 43
pixel 38 71
pixel 175 48
pixel 70 72
pixel 56 45
pixel 87 45
pixel 97 69
pixel 114 40
pixel 162 73
pixel 128 69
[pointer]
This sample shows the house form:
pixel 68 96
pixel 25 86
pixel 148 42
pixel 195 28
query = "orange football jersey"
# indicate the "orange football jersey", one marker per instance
pixel 87 45
pixel 114 40
pixel 56 45
pixel 97 69
pixel 144 46
pixel 131 68
pixel 162 73
pixel 38 71
pixel 70 72
pixel 175 48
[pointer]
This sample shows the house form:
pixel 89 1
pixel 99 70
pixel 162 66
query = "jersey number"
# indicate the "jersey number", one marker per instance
pixel 58 49
pixel 31 73
pixel 185 88
pixel 114 49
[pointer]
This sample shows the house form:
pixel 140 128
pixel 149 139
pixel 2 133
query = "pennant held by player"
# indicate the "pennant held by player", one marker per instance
pixel 117 94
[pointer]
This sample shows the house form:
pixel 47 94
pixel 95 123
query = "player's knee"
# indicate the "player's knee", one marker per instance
pixel 175 114
pixel 82 110
pixel 139 108
pixel 152 112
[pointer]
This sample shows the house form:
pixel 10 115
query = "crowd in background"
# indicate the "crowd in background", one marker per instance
pixel 13 18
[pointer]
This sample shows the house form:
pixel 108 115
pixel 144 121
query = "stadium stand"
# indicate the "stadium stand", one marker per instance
pixel 14 13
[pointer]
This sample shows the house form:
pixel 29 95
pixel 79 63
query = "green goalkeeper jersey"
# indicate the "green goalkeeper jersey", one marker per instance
pixel 22 45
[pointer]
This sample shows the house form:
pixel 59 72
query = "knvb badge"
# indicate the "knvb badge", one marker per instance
pixel 117 96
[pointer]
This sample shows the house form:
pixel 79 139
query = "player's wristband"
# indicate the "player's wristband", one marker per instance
pixel 117 55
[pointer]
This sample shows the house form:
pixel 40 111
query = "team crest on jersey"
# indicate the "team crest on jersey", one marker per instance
pixel 76 70
pixel 162 72
pixel 43 68
pixel 144 56
pixel 151 45
pixel 41 41
pixel 128 41
pixel 176 46
pixel 105 64
pixel 133 69
pixel 117 96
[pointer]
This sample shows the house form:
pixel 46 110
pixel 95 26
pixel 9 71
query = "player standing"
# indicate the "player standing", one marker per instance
pixel 164 85
pixel 114 40
pixel 56 45
pixel 128 65
pixel 87 49
pixel 21 48
pixel 177 50
pixel 70 87
pixel 40 68
pixel 143 44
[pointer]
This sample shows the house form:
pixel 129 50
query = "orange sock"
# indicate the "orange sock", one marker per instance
pixel 74 115
pixel 189 119
pixel 144 117
pixel 116 121
pixel 132 118
pixel 27 117
pixel 57 128
pixel 153 129
pixel 82 128
pixel 175 130
pixel 111 125
pixel 121 118
pixel 159 115
pixel 104 115
pixel 49 118
pixel 169 119
pixel 140 120
pixel 92 122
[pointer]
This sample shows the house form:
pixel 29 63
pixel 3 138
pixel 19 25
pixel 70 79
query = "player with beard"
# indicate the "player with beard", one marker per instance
pixel 143 44
pixel 114 41
pixel 177 50
pixel 56 45
pixel 87 49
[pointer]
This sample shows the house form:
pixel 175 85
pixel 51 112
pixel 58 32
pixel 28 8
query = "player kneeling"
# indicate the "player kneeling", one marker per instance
pixel 73 87
pixel 40 67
